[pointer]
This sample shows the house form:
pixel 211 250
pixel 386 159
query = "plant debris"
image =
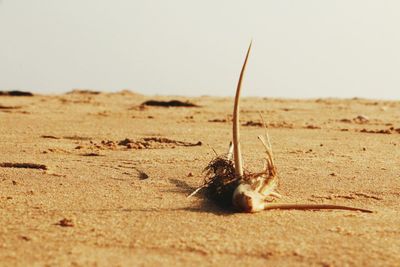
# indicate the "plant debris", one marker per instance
pixel 171 103
pixel 382 131
pixel 23 165
pixel 83 92
pixel 65 223
pixel 92 154
pixel 312 126
pixel 220 181
pixel 253 123
pixel 228 184
pixel 217 120
pixel 15 93
pixel 49 137
pixel 9 107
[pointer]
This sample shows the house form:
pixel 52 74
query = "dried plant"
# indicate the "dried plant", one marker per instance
pixel 228 184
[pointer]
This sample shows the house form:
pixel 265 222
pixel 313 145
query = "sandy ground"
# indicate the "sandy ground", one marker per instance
pixel 86 196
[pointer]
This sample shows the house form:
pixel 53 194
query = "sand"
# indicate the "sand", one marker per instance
pixel 96 179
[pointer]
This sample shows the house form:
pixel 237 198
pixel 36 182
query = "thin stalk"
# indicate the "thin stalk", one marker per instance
pixel 287 206
pixel 237 154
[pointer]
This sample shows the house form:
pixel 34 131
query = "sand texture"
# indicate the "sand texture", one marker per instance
pixel 91 179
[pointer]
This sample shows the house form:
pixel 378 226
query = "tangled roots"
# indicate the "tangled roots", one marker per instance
pixel 220 181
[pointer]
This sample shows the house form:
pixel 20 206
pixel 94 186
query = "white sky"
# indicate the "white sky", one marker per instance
pixel 307 48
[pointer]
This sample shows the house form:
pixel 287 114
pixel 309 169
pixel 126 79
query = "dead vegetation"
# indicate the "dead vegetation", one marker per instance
pixel 83 92
pixel 220 181
pixel 228 184
pixel 9 107
pixel 15 93
pixel 65 223
pixel 171 103
pixel 390 130
pixel 23 165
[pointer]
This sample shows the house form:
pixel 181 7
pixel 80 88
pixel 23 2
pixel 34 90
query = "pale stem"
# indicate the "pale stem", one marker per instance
pixel 237 154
